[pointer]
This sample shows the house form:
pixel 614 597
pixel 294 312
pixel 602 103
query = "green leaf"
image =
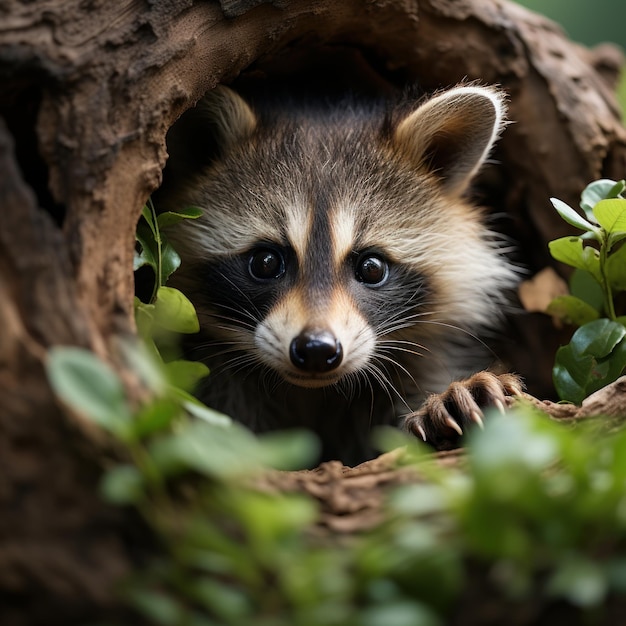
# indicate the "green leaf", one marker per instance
pixel 170 261
pixel 122 485
pixel 140 260
pixel 611 215
pixel 155 417
pixel 616 364
pixel 595 357
pixel 149 249
pixel 583 285
pixel 289 450
pixel 617 189
pixel 185 374
pixel 615 269
pixel 147 212
pixel 591 262
pixel 196 409
pixel 158 608
pixel 231 604
pixel 399 613
pixel 144 319
pixel 89 386
pixel 174 312
pixel 596 191
pixel 572 310
pixel 580 580
pixel 597 338
pixel 170 218
pixel 214 451
pixel 569 250
pixel 268 518
pixel 142 357
pixel 571 373
pixel 571 216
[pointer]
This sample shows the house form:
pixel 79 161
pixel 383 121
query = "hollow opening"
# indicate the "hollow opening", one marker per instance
pixel 19 106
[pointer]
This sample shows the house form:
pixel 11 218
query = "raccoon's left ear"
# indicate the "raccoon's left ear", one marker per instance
pixel 452 133
pixel 219 121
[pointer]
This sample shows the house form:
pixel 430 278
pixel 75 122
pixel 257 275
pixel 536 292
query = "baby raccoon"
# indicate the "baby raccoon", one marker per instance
pixel 337 269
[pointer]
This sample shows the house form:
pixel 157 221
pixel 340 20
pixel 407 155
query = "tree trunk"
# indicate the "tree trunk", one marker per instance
pixel 89 90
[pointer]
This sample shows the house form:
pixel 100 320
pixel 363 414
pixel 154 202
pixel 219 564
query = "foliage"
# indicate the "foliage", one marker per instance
pixel 596 354
pixel 539 512
pixel 168 312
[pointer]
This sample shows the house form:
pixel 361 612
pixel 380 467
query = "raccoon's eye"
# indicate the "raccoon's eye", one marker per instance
pixel 371 269
pixel 266 264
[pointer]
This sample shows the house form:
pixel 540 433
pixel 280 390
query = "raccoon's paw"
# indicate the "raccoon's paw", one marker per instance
pixel 443 418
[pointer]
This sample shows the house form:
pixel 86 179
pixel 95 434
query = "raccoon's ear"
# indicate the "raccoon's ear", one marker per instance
pixel 452 133
pixel 226 116
pixel 219 121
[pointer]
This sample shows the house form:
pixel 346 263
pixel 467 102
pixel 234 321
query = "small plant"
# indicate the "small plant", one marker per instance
pixel 537 514
pixel 168 311
pixel 596 354
pixel 538 511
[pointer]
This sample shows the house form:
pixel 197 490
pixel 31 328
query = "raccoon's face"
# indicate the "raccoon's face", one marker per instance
pixel 334 245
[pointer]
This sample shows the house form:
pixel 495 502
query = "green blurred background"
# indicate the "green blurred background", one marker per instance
pixel 589 22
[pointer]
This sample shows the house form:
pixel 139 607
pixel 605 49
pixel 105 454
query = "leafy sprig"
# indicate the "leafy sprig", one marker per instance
pixel 538 507
pixel 168 311
pixel 596 354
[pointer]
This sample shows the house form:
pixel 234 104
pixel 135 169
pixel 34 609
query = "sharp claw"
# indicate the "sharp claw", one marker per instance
pixel 475 415
pixel 498 404
pixel 421 431
pixel 454 425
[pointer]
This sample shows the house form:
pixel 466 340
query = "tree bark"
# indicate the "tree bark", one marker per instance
pixel 89 90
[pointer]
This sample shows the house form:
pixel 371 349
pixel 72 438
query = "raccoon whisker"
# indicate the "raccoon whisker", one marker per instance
pixel 237 321
pixel 198 350
pixel 380 374
pixel 346 387
pixel 398 323
pixel 397 366
pixel 235 364
pixel 234 343
pixel 242 292
pixel 386 384
pixel 357 383
pixel 208 316
pixel 234 323
pixel 231 329
pixel 237 308
pixel 359 378
pixel 403 345
pixel 270 380
pixel 389 349
pixel 461 330
pixel 391 341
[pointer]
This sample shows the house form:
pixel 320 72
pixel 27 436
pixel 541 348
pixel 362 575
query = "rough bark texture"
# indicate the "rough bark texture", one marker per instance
pixel 89 90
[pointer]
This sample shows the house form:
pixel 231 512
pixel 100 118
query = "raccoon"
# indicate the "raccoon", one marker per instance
pixel 339 273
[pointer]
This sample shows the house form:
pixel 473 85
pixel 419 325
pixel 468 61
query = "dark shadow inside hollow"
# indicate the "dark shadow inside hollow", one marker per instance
pixel 19 106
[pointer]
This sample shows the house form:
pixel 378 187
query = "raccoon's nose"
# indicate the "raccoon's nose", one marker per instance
pixel 316 351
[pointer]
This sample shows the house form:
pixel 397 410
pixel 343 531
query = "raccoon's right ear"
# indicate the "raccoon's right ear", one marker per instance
pixel 218 122
pixel 452 134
